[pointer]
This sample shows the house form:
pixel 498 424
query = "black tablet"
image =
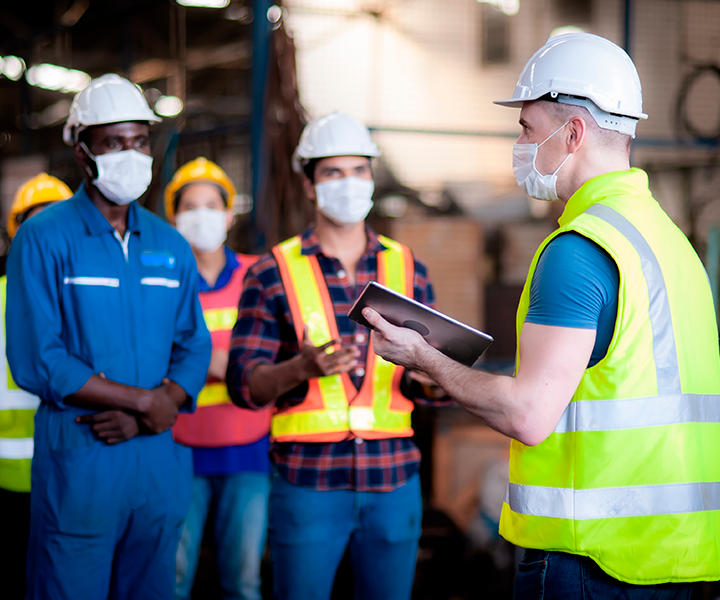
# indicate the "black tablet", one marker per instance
pixel 453 338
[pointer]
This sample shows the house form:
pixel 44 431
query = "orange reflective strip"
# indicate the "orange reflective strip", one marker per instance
pixel 325 406
pixel 381 268
pixel 409 272
pixel 290 293
pixel 325 297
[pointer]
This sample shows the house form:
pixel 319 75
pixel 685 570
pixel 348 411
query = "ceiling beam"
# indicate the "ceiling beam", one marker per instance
pixel 196 59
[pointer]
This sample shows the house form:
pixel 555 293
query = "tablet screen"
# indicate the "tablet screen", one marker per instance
pixel 453 338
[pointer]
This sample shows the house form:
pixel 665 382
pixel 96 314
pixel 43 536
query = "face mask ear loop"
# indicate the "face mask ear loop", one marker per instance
pixel 92 157
pixel 545 140
pixel 553 133
pixel 561 164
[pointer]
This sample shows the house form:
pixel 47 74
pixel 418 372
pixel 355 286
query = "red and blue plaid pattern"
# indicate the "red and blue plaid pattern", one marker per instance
pixel 264 334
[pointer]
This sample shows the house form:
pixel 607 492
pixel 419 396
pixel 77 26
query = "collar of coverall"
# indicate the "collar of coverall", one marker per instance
pixel 96 223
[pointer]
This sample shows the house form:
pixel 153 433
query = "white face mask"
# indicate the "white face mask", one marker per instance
pixel 346 201
pixel 205 229
pixel 534 183
pixel 122 176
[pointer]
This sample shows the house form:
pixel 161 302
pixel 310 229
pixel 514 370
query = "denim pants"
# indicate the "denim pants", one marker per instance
pixel 560 576
pixel 309 531
pixel 239 532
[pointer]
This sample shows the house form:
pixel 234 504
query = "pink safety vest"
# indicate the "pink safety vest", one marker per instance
pixel 217 421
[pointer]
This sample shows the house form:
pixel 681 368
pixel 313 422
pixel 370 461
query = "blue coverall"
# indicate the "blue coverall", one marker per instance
pixel 105 519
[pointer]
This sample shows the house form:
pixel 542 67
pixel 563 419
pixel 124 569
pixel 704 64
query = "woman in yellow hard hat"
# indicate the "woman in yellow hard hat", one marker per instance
pixel 17 408
pixel 34 195
pixel 230 445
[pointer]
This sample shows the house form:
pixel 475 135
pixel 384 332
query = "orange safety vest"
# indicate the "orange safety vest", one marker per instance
pixel 217 421
pixel 333 409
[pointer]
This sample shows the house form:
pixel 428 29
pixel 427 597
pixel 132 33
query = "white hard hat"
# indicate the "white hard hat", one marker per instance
pixel 584 70
pixel 108 99
pixel 336 134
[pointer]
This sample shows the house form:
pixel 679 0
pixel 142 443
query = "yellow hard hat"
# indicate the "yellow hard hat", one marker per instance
pixel 198 170
pixel 41 189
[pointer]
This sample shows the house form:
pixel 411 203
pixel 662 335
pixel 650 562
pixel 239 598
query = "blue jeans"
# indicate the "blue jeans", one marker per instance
pixel 557 575
pixel 240 531
pixel 310 530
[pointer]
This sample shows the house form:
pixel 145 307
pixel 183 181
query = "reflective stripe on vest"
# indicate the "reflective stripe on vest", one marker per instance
pixel 631 501
pixel 672 406
pixel 217 422
pixel 219 321
pixel 333 408
pixel 627 477
pixel 17 414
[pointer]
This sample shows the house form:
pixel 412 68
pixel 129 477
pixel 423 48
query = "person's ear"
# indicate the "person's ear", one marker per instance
pixel 576 132
pixel 309 190
pixel 172 221
pixel 80 155
pixel 229 219
pixel 86 163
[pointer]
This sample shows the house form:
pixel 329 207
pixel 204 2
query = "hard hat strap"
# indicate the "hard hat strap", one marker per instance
pixel 605 120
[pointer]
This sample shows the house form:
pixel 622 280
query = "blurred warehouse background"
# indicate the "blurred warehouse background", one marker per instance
pixel 236 81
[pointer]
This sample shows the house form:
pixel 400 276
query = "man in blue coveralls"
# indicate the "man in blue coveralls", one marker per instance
pixel 104 324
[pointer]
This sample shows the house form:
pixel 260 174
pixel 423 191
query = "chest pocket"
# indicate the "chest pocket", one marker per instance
pixel 160 299
pixel 160 289
pixel 92 303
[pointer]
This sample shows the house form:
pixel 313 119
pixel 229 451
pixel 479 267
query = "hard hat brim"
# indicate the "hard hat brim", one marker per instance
pixel 517 103
pixel 510 103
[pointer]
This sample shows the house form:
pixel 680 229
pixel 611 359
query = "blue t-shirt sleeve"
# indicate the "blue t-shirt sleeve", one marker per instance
pixel 575 284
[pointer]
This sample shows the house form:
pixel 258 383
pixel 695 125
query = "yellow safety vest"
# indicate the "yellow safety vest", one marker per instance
pixel 17 421
pixel 631 475
pixel 333 409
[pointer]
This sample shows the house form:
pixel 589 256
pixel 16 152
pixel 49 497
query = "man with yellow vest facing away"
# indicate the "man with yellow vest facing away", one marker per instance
pixel 17 411
pixel 345 466
pixel 230 445
pixel 614 408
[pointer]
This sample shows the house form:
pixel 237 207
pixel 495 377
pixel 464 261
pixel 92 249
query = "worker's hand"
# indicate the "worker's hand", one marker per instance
pixel 162 410
pixel 316 362
pixel 398 345
pixel 112 426
pixel 218 364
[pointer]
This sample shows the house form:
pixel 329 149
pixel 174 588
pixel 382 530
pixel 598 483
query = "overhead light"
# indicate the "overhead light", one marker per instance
pixel 508 7
pixel 433 198
pixel 168 106
pixel 12 67
pixel 235 12
pixel 74 13
pixel 393 206
pixel 204 3
pixel 55 113
pixel 565 29
pixel 274 13
pixel 55 77
pixel 243 204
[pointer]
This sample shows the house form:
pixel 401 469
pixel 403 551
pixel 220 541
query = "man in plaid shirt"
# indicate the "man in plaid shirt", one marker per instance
pixel 334 485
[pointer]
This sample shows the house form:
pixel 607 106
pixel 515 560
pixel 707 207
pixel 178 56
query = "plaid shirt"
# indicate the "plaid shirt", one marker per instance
pixel 264 334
